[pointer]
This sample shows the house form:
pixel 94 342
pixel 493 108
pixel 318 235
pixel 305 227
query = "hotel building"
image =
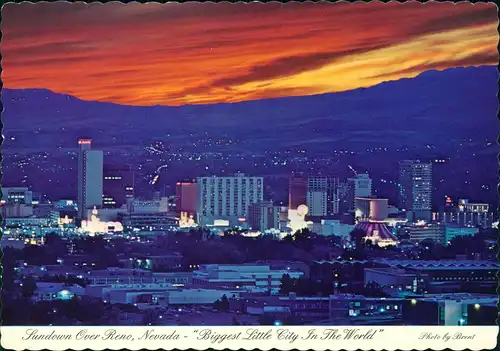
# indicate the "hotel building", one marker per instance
pixel 227 198
pixel 90 177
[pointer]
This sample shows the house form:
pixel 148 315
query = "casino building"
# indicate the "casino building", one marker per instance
pixel 371 214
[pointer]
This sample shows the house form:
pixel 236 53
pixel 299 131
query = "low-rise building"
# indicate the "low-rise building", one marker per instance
pixel 126 293
pixel 335 227
pixel 465 219
pixel 439 276
pixel 157 294
pixel 156 262
pixel 46 291
pixel 417 233
pixel 148 221
pixel 14 242
pixel 198 296
pixel 357 309
pixel 138 276
pixel 17 195
pixel 451 309
pixel 306 309
pixel 346 271
pixel 453 231
pixel 260 276
pixel 396 279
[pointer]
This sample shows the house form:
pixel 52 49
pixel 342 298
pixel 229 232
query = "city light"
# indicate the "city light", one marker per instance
pixel 95 226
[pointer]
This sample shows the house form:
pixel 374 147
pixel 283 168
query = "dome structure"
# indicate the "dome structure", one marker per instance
pixel 378 233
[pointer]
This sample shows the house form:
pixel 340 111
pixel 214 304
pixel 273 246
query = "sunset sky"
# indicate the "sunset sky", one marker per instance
pixel 174 54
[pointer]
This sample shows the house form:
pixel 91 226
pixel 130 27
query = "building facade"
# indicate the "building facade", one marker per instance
pixel 453 231
pixel 263 216
pixel 118 185
pixel 465 219
pixel 18 195
pixel 90 177
pixel 360 186
pixel 322 196
pixel 186 197
pixel 148 221
pixel 417 233
pixel 451 309
pixel 415 187
pixel 297 191
pixel 227 198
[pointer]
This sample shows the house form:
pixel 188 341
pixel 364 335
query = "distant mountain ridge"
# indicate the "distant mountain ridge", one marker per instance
pixel 433 107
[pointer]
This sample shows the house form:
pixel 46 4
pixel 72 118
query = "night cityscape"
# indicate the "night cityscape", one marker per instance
pixel 253 174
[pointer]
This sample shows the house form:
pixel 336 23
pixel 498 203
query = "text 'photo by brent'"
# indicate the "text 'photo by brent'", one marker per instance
pixel 254 175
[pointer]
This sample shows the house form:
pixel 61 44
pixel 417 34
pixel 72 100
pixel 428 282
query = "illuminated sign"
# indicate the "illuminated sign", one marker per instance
pixel 221 223
pixel 84 141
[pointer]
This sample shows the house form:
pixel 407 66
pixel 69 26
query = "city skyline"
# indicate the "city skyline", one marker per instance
pixel 242 63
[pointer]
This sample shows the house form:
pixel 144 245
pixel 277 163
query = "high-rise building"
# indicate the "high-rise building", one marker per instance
pixel 346 204
pixel 90 177
pixel 405 184
pixel 422 187
pixel 263 216
pixel 186 197
pixel 227 198
pixel 358 186
pixel 118 185
pixel 322 196
pixel 415 187
pixel 297 191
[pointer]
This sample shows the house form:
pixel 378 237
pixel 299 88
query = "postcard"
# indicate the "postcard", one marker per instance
pixel 253 175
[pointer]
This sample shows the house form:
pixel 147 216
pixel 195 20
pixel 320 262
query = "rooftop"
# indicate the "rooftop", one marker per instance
pixel 462 297
pixel 442 264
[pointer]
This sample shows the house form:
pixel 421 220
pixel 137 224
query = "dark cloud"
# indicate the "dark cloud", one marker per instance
pixel 113 73
pixel 42 49
pixel 486 14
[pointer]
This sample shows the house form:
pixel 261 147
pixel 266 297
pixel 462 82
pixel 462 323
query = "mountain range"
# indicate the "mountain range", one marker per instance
pixel 435 108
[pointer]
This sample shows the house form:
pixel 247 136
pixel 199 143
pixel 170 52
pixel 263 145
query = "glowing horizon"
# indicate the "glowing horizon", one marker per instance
pixel 202 53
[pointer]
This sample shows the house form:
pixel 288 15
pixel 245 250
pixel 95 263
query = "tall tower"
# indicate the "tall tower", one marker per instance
pixel 322 196
pixel 422 187
pixel 359 186
pixel 415 187
pixel 118 185
pixel 297 191
pixel 90 177
pixel 405 184
pixel 186 196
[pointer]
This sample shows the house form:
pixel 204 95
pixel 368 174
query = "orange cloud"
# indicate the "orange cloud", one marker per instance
pixel 189 53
